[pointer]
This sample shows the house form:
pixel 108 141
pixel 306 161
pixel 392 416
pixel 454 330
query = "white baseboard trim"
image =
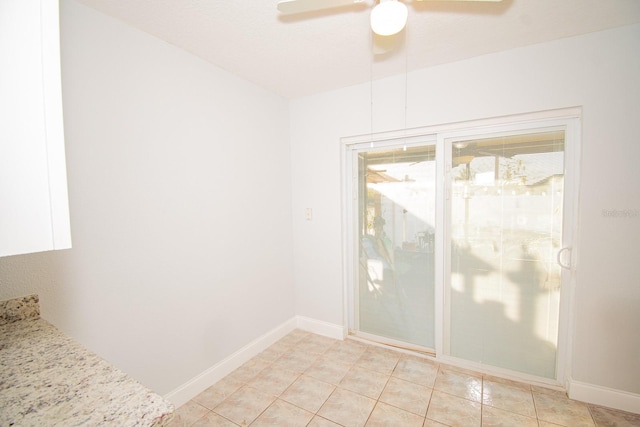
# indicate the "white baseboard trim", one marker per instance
pixel 320 327
pixel 604 396
pixel 206 379
pixel 583 392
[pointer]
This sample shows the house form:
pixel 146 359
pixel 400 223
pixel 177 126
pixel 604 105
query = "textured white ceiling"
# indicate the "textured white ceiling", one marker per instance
pixel 301 55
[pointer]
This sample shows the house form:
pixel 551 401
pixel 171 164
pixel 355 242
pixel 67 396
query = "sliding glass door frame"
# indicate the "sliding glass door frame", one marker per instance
pixel 352 148
pixel 443 136
pixel 570 124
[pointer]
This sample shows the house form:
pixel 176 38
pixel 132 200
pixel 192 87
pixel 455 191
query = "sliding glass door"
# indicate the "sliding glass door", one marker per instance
pixel 504 236
pixel 395 242
pixel 459 241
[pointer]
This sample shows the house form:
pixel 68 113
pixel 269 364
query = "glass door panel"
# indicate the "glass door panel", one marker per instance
pixel 396 229
pixel 505 225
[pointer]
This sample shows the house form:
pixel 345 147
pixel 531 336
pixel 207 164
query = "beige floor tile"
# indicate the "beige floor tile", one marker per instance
pixel 512 383
pixel 249 370
pixel 365 382
pixel 453 410
pixel 274 380
pixel 406 395
pixel 244 406
pixel 188 414
pixel 283 414
pixel 293 337
pixel 545 390
pixel 546 424
pixel 308 393
pixel 315 344
pixel 347 408
pixel 322 422
pixel 507 396
pixel 384 415
pixel 379 360
pixel 561 410
pixel 347 351
pixel 211 397
pixel 296 361
pixel 416 370
pixel 432 423
pixel 272 353
pixel 213 420
pixel 494 417
pixel 606 417
pixel 460 384
pixel 465 371
pixel 328 370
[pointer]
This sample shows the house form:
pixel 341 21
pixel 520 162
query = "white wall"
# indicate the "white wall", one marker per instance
pixel 598 72
pixel 179 188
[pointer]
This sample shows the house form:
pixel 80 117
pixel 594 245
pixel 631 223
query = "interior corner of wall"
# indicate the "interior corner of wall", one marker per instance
pixel 320 327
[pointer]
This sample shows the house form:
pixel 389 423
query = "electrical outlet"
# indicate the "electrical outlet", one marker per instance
pixel 308 214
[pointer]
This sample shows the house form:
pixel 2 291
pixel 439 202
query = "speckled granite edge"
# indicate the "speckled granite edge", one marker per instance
pixel 48 379
pixel 22 308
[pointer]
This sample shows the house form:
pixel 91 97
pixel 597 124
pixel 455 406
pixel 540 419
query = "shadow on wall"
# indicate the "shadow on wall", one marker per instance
pixel 44 274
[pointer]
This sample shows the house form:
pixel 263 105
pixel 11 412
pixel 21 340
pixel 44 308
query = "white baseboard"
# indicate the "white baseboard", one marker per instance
pixel 319 327
pixel 604 396
pixel 206 379
pixel 583 392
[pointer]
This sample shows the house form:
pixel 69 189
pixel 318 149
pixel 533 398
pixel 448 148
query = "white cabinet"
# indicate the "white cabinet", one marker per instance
pixel 34 209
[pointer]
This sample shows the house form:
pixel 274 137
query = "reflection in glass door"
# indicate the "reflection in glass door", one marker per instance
pixel 505 228
pixel 396 192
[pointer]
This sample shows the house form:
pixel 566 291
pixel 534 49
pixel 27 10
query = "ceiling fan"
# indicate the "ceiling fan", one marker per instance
pixel 388 17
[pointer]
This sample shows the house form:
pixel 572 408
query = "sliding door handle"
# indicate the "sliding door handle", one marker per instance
pixel 560 256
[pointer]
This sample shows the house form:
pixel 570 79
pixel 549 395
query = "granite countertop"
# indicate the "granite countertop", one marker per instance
pixel 47 379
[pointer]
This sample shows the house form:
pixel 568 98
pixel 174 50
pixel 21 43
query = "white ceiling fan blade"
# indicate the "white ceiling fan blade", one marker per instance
pixel 288 7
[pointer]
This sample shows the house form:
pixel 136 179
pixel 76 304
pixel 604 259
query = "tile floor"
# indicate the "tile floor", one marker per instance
pixel 309 380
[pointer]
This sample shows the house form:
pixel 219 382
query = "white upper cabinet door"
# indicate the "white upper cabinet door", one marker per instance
pixel 34 209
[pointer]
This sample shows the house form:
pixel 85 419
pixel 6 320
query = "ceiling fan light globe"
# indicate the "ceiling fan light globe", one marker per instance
pixel 389 17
